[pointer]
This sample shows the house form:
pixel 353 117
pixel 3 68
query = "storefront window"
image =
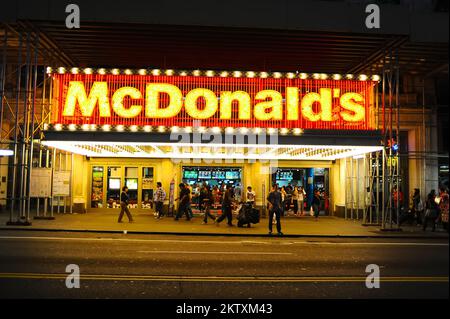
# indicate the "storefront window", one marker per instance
pixel 216 177
pixel 131 181
pixel 97 187
pixel 147 187
pixel 114 187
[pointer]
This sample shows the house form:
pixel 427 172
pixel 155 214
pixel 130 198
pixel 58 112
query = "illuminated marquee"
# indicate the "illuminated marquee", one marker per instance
pixel 216 101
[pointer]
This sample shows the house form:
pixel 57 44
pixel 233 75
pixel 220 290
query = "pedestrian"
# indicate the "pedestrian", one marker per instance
pixel 206 198
pixel 275 208
pixel 417 206
pixel 191 195
pixel 397 201
pixel 301 200
pixel 158 199
pixel 295 200
pixel 287 199
pixel 432 211
pixel 227 205
pixel 316 204
pixel 124 198
pixel 443 207
pixel 250 196
pixel 185 199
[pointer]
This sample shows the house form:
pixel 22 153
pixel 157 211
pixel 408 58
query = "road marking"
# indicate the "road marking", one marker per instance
pixel 253 279
pixel 240 242
pixel 210 252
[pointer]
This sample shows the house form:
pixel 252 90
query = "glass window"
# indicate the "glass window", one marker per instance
pixel 131 181
pixel 147 187
pixel 97 187
pixel 113 187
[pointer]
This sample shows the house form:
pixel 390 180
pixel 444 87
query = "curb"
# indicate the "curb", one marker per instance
pixel 136 232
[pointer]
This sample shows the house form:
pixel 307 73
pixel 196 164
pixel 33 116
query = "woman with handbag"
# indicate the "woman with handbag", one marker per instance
pixel 431 212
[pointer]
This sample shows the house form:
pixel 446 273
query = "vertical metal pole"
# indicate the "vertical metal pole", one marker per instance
pixel 399 177
pixel 71 182
pixel 358 184
pixel 52 199
pixel 346 186
pixel 65 169
pixel 424 144
pixel 3 79
pixel 47 164
pixel 352 198
pixel 16 124
pixel 33 101
pixel 59 169
pixel 383 196
pixel 25 132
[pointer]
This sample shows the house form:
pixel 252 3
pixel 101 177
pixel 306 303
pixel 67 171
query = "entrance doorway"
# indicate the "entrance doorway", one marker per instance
pixel 311 179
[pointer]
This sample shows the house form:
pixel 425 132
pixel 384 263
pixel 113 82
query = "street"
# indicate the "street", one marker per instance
pixel 33 265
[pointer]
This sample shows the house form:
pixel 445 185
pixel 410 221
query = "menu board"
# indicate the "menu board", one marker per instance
pixel 41 182
pixel 204 174
pixel 218 175
pixel 147 183
pixel 61 183
pixel 190 174
pixel 285 175
pixel 131 183
pixel 232 175
pixel 114 183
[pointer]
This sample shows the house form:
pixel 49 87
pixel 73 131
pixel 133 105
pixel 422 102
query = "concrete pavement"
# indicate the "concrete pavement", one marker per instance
pixel 146 223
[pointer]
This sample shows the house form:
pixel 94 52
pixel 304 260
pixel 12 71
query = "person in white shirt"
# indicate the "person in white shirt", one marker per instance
pixel 250 196
pixel 301 200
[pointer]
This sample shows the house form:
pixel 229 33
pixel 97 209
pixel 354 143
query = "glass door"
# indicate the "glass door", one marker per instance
pixel 97 187
pixel 147 187
pixel 131 181
pixel 114 187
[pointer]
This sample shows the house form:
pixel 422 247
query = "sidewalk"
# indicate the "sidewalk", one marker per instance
pixel 147 224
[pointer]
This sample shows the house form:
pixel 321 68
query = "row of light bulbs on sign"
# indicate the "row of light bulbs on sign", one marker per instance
pixel 173 129
pixel 210 73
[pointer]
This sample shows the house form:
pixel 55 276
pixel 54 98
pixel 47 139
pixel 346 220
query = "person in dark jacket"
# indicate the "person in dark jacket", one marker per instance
pixel 206 200
pixel 432 211
pixel 275 208
pixel 185 201
pixel 316 204
pixel 124 198
pixel 227 206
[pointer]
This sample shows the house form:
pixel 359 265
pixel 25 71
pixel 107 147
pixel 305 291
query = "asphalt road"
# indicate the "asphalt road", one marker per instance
pixel 33 265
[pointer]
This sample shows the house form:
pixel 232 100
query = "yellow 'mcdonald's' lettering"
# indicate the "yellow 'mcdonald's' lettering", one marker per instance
pixel 351 102
pixel 77 93
pixel 275 105
pixel 152 100
pixel 164 100
pixel 325 100
pixel 118 107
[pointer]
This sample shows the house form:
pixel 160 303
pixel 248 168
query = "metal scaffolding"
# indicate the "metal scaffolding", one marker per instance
pixel 25 91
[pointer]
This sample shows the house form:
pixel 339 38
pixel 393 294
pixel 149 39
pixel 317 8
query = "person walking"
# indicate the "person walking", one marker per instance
pixel 158 199
pixel 124 198
pixel 275 208
pixel 227 202
pixel 431 212
pixel 185 199
pixel 206 198
pixel 316 204
pixel 417 206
